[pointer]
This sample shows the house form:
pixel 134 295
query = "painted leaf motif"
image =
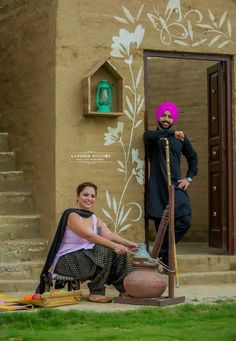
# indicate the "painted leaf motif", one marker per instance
pixel 129 88
pixel 140 106
pixel 190 30
pixel 128 14
pixel 180 42
pixel 140 11
pixel 121 163
pixel 114 205
pixel 212 17
pixel 125 227
pixel 108 199
pixel 121 214
pixel 120 170
pixel 107 214
pixel 129 104
pixel 229 28
pixel 128 114
pixel 138 123
pixel 204 26
pixel 200 42
pixel 223 44
pixel 138 100
pixel 125 216
pixel 215 39
pixel 222 19
pixel 139 76
pixel 122 20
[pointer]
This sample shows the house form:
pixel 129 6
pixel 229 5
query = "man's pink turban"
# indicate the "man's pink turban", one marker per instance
pixel 171 107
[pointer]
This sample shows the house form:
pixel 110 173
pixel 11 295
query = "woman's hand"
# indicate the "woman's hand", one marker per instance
pixel 131 245
pixel 120 249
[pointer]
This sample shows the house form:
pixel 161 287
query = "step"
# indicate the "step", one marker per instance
pixel 233 262
pixel 202 278
pixel 21 270
pixel 7 161
pixel 16 202
pixel 11 181
pixel 18 226
pixel 198 236
pixel 23 285
pixel 23 250
pixel 205 263
pixel 3 142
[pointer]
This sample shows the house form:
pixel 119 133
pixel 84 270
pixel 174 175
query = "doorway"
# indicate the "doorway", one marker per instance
pixel 201 87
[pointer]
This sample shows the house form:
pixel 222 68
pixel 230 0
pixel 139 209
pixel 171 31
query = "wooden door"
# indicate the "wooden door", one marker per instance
pixel 217 157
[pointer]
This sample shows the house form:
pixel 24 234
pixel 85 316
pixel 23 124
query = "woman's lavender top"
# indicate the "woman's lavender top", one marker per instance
pixel 73 242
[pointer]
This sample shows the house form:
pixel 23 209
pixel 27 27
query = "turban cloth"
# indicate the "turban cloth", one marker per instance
pixel 167 106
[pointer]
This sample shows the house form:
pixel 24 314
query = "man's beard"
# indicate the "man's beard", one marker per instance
pixel 164 128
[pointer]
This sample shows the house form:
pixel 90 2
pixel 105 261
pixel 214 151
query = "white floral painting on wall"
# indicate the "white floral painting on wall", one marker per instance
pixel 174 26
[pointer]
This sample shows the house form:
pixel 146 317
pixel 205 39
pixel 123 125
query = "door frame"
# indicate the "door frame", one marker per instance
pixel 227 62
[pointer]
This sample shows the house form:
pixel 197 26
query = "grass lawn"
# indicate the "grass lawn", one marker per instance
pixel 213 322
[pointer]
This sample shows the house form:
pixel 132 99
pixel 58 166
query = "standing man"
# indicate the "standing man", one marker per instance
pixel 157 196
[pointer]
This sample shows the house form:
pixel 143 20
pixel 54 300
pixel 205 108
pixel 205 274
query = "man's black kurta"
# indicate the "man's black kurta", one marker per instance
pixel 157 196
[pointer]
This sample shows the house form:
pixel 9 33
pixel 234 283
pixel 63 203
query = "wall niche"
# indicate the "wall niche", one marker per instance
pixel 103 71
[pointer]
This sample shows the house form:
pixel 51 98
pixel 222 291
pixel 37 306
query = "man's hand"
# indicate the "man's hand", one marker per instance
pixel 183 183
pixel 179 135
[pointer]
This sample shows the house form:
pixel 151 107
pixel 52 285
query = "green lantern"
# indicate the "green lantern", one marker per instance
pixel 104 96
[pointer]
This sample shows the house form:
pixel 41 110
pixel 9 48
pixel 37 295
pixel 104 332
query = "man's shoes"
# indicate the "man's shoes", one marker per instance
pixel 99 299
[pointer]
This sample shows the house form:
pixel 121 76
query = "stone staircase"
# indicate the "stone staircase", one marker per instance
pixel 198 265
pixel 22 249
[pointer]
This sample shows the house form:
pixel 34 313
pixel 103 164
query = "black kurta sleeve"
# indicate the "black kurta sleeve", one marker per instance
pixel 151 136
pixel 191 157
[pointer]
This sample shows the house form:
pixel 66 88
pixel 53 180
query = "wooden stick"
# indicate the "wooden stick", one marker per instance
pixel 171 279
pixel 176 267
pixel 167 150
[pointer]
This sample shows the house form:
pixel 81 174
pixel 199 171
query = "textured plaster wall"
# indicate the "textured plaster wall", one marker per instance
pixel 27 96
pixel 41 101
pixel 83 39
pixel 85 32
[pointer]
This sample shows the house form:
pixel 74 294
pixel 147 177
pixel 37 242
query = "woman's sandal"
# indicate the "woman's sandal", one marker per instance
pixel 99 299
pixel 123 294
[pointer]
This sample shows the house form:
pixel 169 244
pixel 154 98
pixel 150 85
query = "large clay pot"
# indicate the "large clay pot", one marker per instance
pixel 144 282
